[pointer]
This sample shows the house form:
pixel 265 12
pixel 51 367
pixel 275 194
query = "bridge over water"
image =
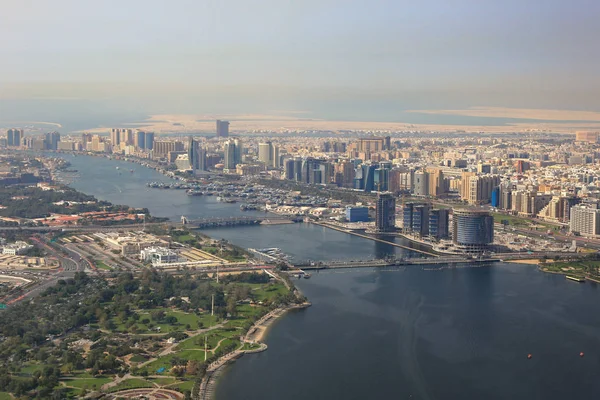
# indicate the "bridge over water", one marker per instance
pixel 205 223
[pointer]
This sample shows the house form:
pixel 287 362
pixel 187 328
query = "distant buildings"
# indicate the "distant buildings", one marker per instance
pixel 385 219
pixel 473 230
pixel 587 136
pixel 162 148
pixel 268 153
pixel 196 156
pixel 233 154
pixel 222 128
pixel 14 137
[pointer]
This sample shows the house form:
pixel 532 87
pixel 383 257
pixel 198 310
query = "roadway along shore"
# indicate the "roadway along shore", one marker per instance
pixel 330 226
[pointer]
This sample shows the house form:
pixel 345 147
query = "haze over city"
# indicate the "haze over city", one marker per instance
pixel 336 60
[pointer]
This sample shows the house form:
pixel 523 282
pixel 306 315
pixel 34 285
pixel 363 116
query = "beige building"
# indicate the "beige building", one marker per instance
pixel 585 220
pixel 587 136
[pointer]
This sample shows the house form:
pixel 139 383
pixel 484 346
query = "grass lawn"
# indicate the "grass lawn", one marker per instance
pixel 102 265
pixel 29 369
pixel 212 338
pixel 265 292
pixel 88 383
pixel 512 220
pixel 165 362
pixel 184 238
pixel 573 268
pixel 163 381
pixel 138 358
pixel 131 384
pixel 5 396
pixel 250 346
pixel 183 319
pixel 183 386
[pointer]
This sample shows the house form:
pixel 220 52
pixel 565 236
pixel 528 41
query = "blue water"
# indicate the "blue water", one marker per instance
pixel 404 333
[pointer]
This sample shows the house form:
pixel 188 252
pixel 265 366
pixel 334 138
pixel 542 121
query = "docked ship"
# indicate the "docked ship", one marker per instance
pixel 575 278
pixel 192 192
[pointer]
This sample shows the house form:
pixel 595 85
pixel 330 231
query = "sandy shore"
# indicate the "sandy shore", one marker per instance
pixel 548 121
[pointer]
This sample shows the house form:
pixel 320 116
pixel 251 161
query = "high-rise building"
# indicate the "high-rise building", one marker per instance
pixel 438 223
pixel 233 153
pixel 86 139
pixel 345 169
pixel 472 230
pixel 387 144
pixel 289 169
pixel 149 140
pixel 381 179
pixel 421 183
pixel 585 219
pixel 436 182
pixel 162 148
pixel 465 185
pixel 368 177
pixel 222 128
pixel 264 153
pixel 385 210
pixel 14 137
pixel 52 139
pixel 115 137
pixel 415 218
pixel 268 153
pixel 481 187
pixel 316 171
pixel 140 140
pixel 196 156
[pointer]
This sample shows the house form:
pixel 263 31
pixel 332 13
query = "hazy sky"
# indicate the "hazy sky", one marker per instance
pixel 479 52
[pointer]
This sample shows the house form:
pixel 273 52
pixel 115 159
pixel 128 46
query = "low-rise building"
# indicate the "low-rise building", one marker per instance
pixel 159 255
pixel 16 248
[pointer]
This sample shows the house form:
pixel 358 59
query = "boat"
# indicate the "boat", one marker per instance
pixel 575 278
pixel 118 167
pixel 194 192
pixel 306 276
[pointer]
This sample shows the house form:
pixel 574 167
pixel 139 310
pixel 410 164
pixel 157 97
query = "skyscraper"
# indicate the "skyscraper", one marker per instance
pixel 585 219
pixel 268 153
pixel 52 139
pixel 472 230
pixel 149 140
pixel 140 140
pixel 436 182
pixel 289 169
pixel 222 128
pixel 115 136
pixel 421 183
pixel 196 156
pixel 264 153
pixel 385 220
pixel 14 137
pixel 438 223
pixel 233 153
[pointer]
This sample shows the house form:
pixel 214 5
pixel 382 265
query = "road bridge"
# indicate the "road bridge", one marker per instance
pixel 205 223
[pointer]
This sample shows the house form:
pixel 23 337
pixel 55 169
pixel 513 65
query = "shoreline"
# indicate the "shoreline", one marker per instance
pixel 254 335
